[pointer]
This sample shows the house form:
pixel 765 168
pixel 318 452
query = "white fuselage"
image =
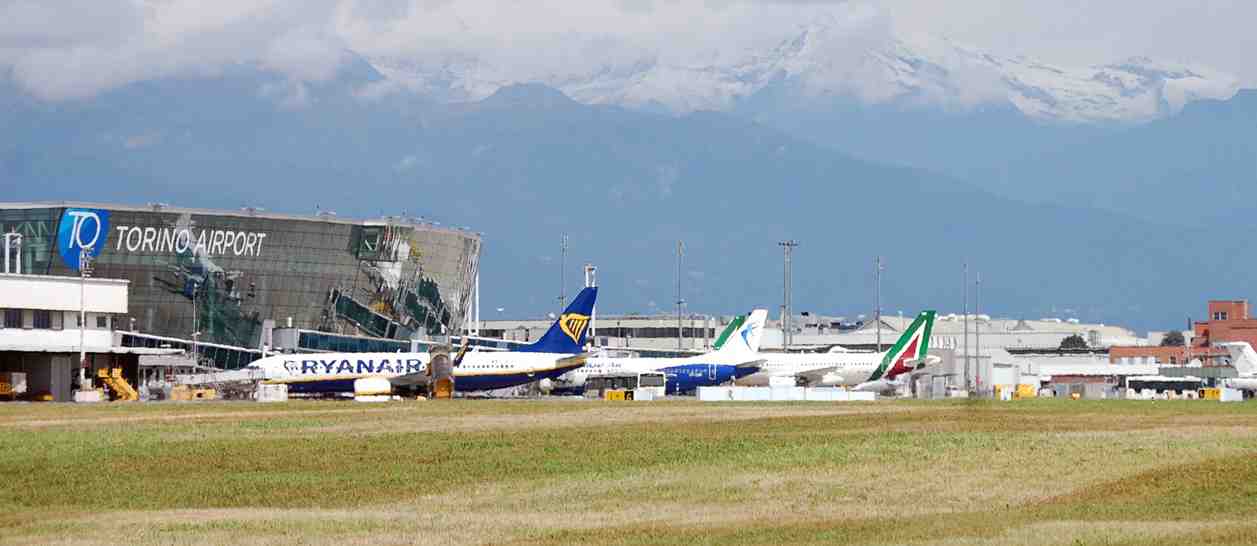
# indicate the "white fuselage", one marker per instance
pixel 335 372
pixel 1244 360
pixel 816 369
pixel 1242 383
pixel 683 374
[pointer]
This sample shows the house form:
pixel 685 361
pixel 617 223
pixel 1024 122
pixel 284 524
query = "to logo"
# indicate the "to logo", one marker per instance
pixel 573 324
pixel 81 229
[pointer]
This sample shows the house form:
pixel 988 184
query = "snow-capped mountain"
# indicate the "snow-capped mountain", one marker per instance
pixel 827 60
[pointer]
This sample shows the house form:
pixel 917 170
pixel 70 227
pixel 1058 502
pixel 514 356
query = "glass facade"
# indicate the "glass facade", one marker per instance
pixel 222 356
pixel 222 273
pixel 336 343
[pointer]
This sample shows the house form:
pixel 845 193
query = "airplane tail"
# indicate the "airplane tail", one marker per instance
pixel 728 331
pixel 567 334
pixel 462 352
pixel 1243 358
pixel 911 346
pixel 745 340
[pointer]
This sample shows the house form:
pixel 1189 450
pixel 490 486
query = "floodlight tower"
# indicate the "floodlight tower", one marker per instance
pixel 85 271
pixel 680 300
pixel 787 250
pixel 563 275
pixel 877 298
pixel 591 280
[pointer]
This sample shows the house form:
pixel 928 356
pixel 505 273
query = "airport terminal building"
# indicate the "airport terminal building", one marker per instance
pixel 230 276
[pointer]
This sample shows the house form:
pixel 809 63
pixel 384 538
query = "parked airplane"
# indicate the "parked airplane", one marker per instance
pixel 560 350
pixel 733 325
pixel 1244 359
pixel 736 358
pixel 877 372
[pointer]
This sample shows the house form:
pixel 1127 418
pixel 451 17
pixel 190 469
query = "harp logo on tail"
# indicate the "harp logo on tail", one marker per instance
pixel 573 324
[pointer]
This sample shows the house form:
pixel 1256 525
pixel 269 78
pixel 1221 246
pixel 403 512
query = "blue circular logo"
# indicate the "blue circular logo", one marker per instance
pixel 81 229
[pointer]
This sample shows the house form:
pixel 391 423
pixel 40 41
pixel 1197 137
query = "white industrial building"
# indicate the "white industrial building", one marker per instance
pixel 41 335
pixel 949 332
pixel 1089 373
pixel 640 331
pixel 812 331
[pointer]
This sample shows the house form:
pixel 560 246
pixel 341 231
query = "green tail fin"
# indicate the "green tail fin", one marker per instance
pixel 728 331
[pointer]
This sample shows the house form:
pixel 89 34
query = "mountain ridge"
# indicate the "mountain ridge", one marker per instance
pixel 815 64
pixel 625 185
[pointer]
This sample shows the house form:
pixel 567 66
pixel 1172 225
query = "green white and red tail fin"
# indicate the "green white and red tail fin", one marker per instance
pixel 908 351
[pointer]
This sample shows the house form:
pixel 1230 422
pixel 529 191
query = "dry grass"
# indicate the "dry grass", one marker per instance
pixel 676 472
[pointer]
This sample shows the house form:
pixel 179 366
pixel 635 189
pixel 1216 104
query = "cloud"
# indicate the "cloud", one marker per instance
pixel 61 49
pixel 306 54
pixel 1213 33
pixel 65 49
pixel 64 24
pixel 288 94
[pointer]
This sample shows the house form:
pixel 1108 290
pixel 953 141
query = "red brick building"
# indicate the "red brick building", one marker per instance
pixel 1229 320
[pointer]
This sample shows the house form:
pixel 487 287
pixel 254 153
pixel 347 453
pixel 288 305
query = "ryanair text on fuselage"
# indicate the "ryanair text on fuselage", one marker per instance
pixel 311 366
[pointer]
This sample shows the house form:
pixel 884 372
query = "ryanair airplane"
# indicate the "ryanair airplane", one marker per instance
pixel 560 350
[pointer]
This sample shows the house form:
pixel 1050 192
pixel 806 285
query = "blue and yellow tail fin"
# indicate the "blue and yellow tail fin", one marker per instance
pixel 567 334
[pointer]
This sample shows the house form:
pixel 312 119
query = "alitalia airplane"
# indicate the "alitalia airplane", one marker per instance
pixel 1244 359
pixel 560 350
pixel 876 372
pixel 737 357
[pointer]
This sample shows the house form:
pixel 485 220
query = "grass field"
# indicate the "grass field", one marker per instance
pixel 534 472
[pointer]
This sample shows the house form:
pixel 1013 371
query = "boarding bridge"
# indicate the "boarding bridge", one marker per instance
pixel 248 375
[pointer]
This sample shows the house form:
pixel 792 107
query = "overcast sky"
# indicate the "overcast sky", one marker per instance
pixel 60 49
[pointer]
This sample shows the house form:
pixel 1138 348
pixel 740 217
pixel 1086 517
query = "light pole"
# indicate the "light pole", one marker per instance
pixel 680 302
pixel 965 312
pixel 196 332
pixel 877 298
pixel 977 325
pixel 85 271
pixel 787 249
pixel 591 280
pixel 13 241
pixel 563 275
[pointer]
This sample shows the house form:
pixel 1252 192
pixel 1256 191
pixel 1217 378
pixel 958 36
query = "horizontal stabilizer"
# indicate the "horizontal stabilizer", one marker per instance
pixel 752 364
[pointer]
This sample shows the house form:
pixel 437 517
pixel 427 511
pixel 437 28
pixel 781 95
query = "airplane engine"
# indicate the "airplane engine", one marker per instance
pixel 372 389
pixel 879 386
pixel 545 385
pixel 831 380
